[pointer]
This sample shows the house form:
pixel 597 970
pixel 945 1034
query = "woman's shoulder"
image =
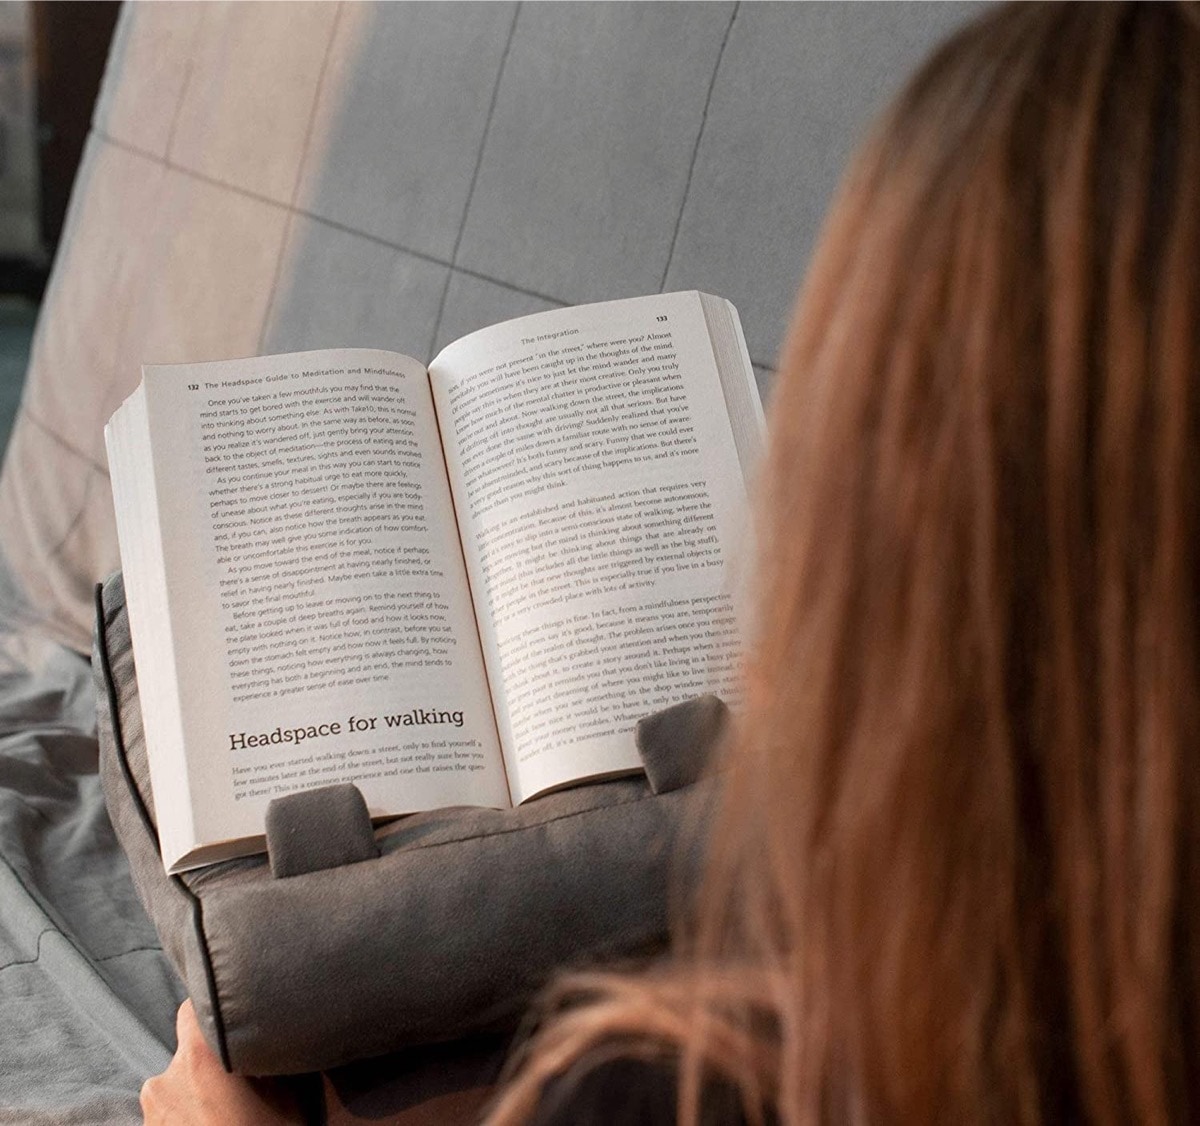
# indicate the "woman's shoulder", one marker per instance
pixel 624 1091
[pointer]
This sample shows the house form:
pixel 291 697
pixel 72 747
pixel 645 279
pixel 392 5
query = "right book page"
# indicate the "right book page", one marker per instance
pixel 598 458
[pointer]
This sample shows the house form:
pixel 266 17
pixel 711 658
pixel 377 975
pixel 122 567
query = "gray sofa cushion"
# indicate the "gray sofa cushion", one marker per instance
pixel 463 915
pixel 276 177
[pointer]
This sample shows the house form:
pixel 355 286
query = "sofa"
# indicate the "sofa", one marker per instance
pixel 265 177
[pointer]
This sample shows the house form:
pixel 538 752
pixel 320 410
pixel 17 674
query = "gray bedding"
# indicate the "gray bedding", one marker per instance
pixel 87 998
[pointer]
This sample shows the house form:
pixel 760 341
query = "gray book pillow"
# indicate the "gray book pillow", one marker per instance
pixel 346 942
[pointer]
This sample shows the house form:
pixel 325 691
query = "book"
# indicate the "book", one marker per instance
pixel 459 584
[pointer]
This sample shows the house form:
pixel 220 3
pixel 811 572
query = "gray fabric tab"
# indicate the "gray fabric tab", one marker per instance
pixel 320 828
pixel 676 743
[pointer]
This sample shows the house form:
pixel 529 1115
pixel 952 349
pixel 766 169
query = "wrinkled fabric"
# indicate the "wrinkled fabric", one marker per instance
pixel 87 998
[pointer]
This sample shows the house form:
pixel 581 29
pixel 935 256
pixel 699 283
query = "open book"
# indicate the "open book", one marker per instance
pixel 460 585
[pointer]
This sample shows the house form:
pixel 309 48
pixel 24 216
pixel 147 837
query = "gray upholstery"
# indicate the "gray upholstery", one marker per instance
pixel 273 177
pixel 674 742
pixel 463 915
pixel 325 827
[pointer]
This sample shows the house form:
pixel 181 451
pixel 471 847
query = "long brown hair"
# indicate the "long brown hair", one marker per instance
pixel 957 873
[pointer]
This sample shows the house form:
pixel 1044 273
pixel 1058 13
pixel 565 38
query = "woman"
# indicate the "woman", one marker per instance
pixel 957 876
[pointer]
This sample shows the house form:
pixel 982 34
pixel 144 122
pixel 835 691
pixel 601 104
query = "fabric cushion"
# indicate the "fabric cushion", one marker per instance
pixel 461 918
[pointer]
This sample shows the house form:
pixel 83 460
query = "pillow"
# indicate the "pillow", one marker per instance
pixel 437 925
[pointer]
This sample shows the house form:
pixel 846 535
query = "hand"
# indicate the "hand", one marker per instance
pixel 196 1090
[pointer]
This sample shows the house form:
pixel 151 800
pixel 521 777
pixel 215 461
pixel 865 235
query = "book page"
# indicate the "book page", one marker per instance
pixel 601 500
pixel 136 510
pixel 319 605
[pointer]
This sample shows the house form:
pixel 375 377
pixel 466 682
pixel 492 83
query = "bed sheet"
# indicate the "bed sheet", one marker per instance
pixel 87 997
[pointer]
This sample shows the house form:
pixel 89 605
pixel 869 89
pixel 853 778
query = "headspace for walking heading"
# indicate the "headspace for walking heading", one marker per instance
pixel 416 717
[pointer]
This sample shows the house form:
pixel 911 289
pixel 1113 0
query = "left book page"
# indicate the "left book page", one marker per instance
pixel 297 594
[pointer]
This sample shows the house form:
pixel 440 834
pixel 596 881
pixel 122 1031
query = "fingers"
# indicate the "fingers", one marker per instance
pixel 156 1100
pixel 187 1027
pixel 195 1090
pixel 193 1056
pixel 185 1021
